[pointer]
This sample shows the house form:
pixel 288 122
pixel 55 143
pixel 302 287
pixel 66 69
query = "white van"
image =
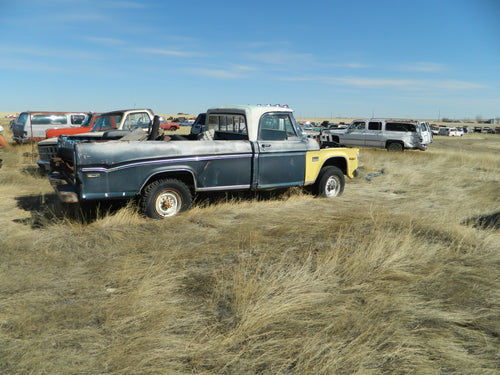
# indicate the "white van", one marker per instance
pixel 32 125
pixel 394 135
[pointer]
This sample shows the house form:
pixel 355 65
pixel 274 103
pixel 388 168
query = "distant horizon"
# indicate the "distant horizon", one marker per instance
pixel 3 114
pixel 296 113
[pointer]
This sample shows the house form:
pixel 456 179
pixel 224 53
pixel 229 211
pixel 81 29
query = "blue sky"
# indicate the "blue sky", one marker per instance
pixel 357 58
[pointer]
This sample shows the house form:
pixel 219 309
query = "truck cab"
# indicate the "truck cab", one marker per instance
pixel 280 144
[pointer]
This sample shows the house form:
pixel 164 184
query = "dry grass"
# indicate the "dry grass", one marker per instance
pixel 395 276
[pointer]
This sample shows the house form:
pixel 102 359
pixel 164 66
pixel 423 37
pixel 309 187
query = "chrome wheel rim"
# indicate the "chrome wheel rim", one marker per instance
pixel 332 187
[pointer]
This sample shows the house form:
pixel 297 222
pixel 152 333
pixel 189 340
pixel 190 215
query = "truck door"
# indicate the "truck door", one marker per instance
pixel 425 133
pixel 355 134
pixel 281 158
pixel 373 135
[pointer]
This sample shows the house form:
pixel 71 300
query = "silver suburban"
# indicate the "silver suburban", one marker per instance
pixel 392 134
pixel 31 125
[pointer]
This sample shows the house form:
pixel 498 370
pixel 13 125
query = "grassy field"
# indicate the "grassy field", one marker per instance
pixel 399 275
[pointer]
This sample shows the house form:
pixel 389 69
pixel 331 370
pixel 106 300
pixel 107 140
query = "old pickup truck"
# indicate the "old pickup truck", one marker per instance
pixel 245 148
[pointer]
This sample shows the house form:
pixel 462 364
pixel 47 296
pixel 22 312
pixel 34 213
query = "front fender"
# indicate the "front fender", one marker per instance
pixel 346 159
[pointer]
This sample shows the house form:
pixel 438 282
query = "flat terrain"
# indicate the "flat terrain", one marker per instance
pixel 398 275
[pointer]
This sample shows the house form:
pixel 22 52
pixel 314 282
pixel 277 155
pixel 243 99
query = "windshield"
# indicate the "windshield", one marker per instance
pixel 298 128
pixel 106 122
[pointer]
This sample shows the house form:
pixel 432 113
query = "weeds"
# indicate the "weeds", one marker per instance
pixel 398 275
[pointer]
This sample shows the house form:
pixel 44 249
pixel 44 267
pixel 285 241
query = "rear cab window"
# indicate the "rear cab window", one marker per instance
pixel 137 120
pixel 228 126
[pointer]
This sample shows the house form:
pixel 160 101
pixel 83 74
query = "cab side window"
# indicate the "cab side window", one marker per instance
pixel 276 127
pixel 77 119
pixel 357 125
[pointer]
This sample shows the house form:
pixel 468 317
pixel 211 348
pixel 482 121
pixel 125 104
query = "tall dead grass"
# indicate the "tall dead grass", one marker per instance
pixel 395 276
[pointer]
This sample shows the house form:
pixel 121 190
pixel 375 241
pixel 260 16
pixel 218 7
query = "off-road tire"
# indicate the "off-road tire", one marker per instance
pixel 165 198
pixel 330 182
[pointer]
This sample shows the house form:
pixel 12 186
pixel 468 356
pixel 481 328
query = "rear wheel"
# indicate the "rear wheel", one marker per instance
pixel 395 147
pixel 330 183
pixel 165 198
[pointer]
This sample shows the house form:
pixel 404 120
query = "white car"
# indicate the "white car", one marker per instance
pixel 451 132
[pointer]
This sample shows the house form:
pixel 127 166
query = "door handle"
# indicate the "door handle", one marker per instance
pixel 265 145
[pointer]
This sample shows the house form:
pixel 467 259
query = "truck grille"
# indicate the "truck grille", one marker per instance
pixel 45 153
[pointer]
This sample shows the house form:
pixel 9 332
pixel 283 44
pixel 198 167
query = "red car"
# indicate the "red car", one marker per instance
pixel 169 125
pixel 87 124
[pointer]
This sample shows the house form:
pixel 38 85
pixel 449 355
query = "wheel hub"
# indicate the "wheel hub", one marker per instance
pixel 168 204
pixel 332 187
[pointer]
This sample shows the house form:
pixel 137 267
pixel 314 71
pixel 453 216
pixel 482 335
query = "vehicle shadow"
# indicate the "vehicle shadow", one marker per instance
pixel 47 209
pixel 44 209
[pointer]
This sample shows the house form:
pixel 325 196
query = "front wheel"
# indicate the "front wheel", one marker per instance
pixel 330 183
pixel 165 198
